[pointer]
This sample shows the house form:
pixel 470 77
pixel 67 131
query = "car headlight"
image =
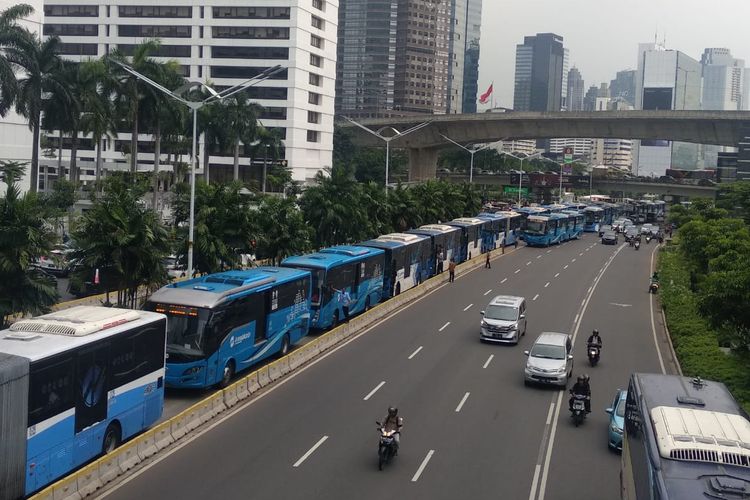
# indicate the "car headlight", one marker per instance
pixel 483 324
pixel 613 427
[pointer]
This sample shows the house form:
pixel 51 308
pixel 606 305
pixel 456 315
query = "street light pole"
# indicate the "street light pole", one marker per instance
pixel 471 152
pixel 193 167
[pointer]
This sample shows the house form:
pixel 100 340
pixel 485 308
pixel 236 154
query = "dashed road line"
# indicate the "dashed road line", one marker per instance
pixel 311 451
pixel 546 284
pixel 573 260
pixel 557 274
pixel 517 271
pixel 487 292
pixel 528 263
pixel 504 280
pixel 468 307
pixel 426 460
pixel 444 326
pixel 566 266
pixel 538 256
pixel 463 400
pixel 535 297
pixel 489 360
pixel 381 384
pixel 415 352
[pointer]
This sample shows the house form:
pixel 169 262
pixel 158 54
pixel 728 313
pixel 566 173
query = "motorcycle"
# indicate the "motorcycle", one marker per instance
pixel 637 244
pixel 387 448
pixel 594 351
pixel 653 287
pixel 578 410
pixel 648 238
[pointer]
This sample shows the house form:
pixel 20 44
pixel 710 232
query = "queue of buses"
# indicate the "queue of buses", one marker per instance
pixel 76 383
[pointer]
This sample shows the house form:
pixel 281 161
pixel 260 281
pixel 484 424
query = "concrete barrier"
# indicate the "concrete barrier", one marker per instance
pixel 193 415
pixel 146 444
pixel 215 407
pixel 127 456
pixel 297 358
pixel 263 378
pixel 178 425
pixel 66 488
pixel 163 435
pixel 230 393
pixel 252 383
pixel 88 480
pixel 108 467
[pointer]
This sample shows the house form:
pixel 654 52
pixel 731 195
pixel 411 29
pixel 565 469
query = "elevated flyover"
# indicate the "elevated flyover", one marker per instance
pixel 724 128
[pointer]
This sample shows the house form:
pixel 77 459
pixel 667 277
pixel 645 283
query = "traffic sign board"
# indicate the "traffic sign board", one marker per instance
pixel 514 190
pixel 568 155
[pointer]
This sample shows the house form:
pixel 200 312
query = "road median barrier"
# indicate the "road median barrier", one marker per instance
pixel 108 468
pixel 146 444
pixel 88 480
pixel 263 378
pixel 66 489
pixel 163 435
pixel 127 456
pixel 252 383
pixel 230 393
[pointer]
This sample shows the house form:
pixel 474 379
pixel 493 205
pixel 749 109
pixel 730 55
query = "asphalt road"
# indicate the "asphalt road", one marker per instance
pixel 472 429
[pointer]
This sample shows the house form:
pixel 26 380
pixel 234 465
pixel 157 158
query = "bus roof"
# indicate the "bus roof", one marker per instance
pixel 212 289
pixel 403 238
pixel 466 222
pixel 330 257
pixel 433 229
pixel 593 209
pixel 53 333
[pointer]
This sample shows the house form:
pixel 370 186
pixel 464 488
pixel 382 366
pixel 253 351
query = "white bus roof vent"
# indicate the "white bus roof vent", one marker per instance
pixel 702 436
pixel 76 321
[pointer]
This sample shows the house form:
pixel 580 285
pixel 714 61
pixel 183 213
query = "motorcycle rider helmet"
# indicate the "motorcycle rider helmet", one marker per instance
pixel 586 377
pixel 392 411
pixel 581 379
pixel 595 332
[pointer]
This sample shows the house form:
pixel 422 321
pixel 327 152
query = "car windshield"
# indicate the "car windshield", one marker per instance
pixel 501 313
pixel 610 234
pixel 547 351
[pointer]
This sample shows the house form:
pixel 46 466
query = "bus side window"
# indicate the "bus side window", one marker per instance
pixel 50 389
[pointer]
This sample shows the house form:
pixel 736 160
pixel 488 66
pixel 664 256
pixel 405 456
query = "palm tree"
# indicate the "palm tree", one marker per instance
pixel 130 90
pixel 269 145
pixel 214 131
pixel 241 117
pixel 98 109
pixel 12 36
pixel 43 73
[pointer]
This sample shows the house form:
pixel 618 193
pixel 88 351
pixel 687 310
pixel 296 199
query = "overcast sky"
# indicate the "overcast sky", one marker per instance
pixel 603 35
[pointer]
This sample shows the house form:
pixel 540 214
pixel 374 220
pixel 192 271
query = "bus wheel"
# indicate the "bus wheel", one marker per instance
pixel 111 438
pixel 226 377
pixel 284 346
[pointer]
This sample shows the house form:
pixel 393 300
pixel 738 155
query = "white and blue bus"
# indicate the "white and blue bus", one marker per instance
pixel 513 221
pixel 346 280
pixel 73 385
pixel 493 231
pixel 575 224
pixel 407 260
pixel 471 236
pixel 446 242
pixel 592 219
pixel 684 439
pixel 544 230
pixel 223 323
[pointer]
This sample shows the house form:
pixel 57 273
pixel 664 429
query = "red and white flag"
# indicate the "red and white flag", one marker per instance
pixel 485 97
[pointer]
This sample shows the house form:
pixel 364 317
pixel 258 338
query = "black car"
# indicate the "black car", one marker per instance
pixel 609 238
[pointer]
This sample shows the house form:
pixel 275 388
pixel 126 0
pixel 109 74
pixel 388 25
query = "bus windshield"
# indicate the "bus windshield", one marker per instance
pixel 593 217
pixel 186 328
pixel 501 313
pixel 535 227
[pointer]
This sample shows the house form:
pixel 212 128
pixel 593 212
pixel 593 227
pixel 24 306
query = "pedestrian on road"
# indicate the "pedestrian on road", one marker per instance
pixel 502 244
pixel 516 233
pixel 487 264
pixel 452 271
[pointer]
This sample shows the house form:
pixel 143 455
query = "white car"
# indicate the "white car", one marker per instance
pixel 550 360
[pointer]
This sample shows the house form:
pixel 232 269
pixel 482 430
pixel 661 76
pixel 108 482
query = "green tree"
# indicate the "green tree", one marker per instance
pixel 214 130
pixel 123 239
pixel 13 37
pixel 241 123
pixel 724 295
pixel 282 229
pixel 98 109
pixel 735 198
pixel 24 236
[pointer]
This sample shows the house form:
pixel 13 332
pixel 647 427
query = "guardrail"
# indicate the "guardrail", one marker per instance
pixel 92 477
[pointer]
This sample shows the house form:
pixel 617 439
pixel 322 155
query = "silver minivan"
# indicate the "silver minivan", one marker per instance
pixel 504 320
pixel 550 360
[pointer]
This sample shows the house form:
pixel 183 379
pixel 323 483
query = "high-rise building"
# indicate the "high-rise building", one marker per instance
pixel 564 83
pixel 539 73
pixel 471 55
pixel 589 100
pixel 669 80
pixel 225 43
pixel 623 86
pixel 575 90
pixel 615 153
pixel 581 147
pixel 723 87
pixel 16 140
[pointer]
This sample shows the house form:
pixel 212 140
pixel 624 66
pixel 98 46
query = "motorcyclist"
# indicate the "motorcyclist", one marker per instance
pixel 594 339
pixel 580 388
pixel 393 422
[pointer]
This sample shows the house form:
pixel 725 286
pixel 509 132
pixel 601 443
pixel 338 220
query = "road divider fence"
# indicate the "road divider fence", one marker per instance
pixel 94 476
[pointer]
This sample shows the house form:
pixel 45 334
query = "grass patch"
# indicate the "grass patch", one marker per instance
pixel 695 342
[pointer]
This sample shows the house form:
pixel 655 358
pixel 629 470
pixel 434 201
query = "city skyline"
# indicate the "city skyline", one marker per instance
pixel 601 48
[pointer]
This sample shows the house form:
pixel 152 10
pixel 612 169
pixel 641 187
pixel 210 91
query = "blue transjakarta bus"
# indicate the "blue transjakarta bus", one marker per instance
pixel 575 224
pixel 346 280
pixel 512 221
pixel 593 217
pixel 471 236
pixel 446 242
pixel 407 260
pixel 543 230
pixel 224 323
pixel 684 439
pixel 493 231
pixel 73 385
pixel 565 227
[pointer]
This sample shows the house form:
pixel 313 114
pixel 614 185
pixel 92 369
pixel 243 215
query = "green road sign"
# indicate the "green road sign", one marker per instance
pixel 514 190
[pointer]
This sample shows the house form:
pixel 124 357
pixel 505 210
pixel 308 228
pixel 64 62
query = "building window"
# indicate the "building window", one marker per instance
pixel 250 32
pixel 138 30
pixel 313 98
pixel 316 41
pixel 235 52
pixel 318 22
pixel 77 49
pixel 245 72
pixel 313 136
pixel 155 11
pixel 71 29
pixel 316 80
pixel 318 4
pixel 313 117
pixel 316 61
pixel 273 113
pixel 71 10
pixel 251 12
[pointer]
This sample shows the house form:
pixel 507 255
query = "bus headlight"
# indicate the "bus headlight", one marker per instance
pixel 192 370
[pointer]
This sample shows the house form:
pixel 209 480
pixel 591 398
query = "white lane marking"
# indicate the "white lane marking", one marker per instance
pixel 468 307
pixel 580 254
pixel 310 451
pixel 488 292
pixel 557 274
pixel 415 352
pixel 517 271
pixel 504 280
pixel 620 305
pixel 575 320
pixel 589 248
pixel 535 481
pixel 573 260
pixel 463 400
pixel 444 326
pixel 546 284
pixel 535 297
pixel 489 360
pixel 538 256
pixel 566 266
pixel 579 319
pixel 415 478
pixel 381 384
pixel 651 310
pixel 549 413
pixel 549 251
pixel 528 263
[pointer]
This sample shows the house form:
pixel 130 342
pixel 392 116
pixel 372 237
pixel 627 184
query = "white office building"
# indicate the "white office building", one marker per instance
pixel 581 147
pixel 224 42
pixel 15 136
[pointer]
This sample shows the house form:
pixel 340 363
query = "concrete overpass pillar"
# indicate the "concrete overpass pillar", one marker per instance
pixel 422 163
